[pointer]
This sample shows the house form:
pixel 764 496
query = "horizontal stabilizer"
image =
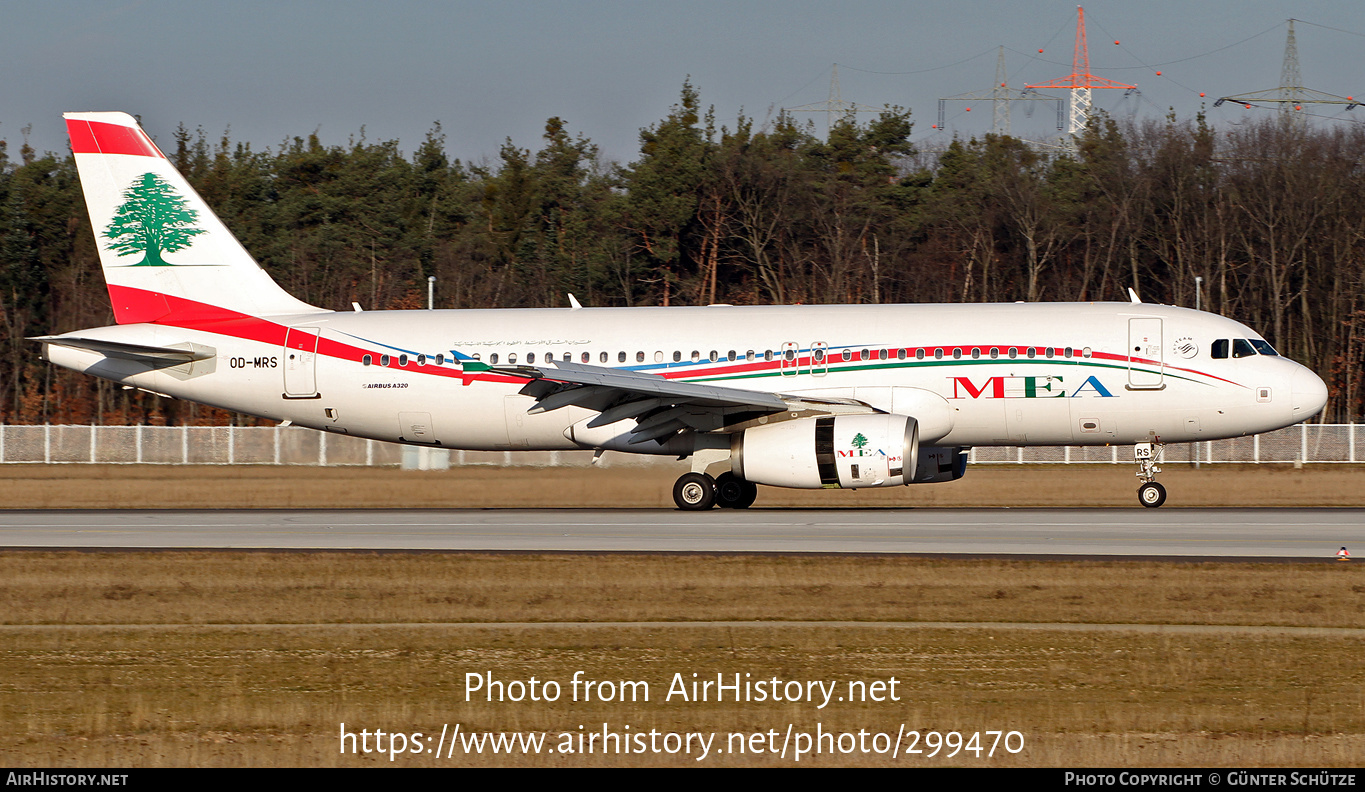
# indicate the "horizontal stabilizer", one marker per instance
pixel 163 355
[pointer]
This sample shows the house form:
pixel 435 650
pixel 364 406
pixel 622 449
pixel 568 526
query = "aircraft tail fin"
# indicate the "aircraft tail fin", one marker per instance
pixel 166 256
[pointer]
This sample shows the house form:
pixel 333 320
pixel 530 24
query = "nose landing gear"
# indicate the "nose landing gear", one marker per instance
pixel 1148 455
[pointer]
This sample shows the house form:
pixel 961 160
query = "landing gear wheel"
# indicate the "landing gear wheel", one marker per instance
pixel 694 492
pixel 1151 494
pixel 733 492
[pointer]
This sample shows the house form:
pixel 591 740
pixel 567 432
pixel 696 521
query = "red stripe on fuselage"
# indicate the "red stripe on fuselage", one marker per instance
pixel 192 315
pixel 97 137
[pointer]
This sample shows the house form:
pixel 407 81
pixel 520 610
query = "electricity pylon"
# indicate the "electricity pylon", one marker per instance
pixel 1000 95
pixel 835 107
pixel 1291 96
pixel 1080 81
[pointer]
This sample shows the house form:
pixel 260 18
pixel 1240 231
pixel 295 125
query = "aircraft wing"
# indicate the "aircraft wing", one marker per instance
pixel 661 406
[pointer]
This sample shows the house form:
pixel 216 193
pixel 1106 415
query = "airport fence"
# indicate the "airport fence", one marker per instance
pixel 277 445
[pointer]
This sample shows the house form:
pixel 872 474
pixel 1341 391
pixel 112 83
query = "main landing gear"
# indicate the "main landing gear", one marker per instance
pixel 698 492
pixel 1147 455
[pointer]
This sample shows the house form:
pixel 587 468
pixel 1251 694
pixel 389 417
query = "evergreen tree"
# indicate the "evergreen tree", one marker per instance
pixel 152 218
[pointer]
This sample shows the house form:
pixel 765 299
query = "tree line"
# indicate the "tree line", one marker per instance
pixel 1269 217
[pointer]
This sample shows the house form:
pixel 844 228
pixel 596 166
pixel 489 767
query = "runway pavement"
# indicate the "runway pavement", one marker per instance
pixel 1251 533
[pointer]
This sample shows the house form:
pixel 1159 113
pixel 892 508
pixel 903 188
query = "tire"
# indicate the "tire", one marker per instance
pixel 733 492
pixel 694 492
pixel 1151 495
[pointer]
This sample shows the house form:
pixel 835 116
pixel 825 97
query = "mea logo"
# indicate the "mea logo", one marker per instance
pixel 152 219
pixel 860 449
pixel 1026 388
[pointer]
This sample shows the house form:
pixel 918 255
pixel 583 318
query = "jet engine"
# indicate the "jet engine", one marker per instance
pixel 834 451
pixel 940 463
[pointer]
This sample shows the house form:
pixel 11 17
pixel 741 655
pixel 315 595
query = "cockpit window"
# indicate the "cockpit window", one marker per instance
pixel 1242 348
pixel 1219 350
pixel 1263 347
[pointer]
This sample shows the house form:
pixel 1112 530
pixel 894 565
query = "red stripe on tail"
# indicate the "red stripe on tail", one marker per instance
pixel 97 137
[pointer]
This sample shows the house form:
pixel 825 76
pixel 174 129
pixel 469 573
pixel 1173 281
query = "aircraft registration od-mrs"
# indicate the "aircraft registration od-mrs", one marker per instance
pixel 804 396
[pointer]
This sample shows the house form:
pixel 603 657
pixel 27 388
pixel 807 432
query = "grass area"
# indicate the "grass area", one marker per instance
pixel 257 658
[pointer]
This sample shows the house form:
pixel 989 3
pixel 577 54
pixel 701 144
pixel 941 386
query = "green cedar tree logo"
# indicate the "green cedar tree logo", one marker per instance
pixel 151 219
pixel 859 441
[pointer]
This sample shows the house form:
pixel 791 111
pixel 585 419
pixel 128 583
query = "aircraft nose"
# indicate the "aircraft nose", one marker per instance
pixel 1309 394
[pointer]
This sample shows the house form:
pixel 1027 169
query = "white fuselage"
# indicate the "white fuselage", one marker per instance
pixel 993 374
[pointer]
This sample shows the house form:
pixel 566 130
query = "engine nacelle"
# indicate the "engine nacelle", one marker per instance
pixel 834 451
pixel 940 463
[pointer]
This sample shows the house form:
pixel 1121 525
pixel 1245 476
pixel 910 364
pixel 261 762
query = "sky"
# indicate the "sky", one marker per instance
pixel 492 70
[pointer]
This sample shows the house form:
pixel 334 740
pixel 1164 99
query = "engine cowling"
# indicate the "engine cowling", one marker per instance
pixel 834 451
pixel 940 463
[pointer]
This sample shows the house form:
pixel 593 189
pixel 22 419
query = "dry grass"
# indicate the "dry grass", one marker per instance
pixel 306 588
pixel 244 486
pixel 191 693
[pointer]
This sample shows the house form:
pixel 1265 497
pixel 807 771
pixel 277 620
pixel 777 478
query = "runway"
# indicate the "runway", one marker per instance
pixel 1224 533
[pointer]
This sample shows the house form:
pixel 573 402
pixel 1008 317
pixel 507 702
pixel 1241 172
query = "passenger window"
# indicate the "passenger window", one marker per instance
pixel 788 355
pixel 1049 352
pixel 847 355
pixel 620 357
pixel 512 358
pixel 586 357
pixel 1219 350
pixel 1242 348
pixel 403 359
pixel 602 358
pixel 658 356
pixel 696 356
pixel 919 354
pixel 1085 352
pixel 1067 352
pixel 714 356
pixel 366 360
pixel 421 360
pixel 957 354
pixel 640 357
pixel 383 360
pixel 730 355
pixel 768 355
pixel 995 353
pixel 440 360
pixel 493 359
pixel 749 355
pixel 938 354
pixel 677 356
pixel 863 355
pixel 1030 352
pixel 1013 353
pixel 900 354
pixel 976 353
pixel 530 357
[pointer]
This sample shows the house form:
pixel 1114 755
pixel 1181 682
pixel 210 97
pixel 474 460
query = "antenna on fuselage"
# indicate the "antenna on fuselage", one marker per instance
pixel 1132 296
pixel 574 304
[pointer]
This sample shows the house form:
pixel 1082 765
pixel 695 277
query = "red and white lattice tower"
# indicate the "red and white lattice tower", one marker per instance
pixel 1081 81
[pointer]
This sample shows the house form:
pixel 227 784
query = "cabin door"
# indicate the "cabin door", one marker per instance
pixel 1146 368
pixel 301 363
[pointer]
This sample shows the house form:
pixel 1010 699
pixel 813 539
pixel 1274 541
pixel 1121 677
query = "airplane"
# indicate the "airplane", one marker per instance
pixel 804 396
